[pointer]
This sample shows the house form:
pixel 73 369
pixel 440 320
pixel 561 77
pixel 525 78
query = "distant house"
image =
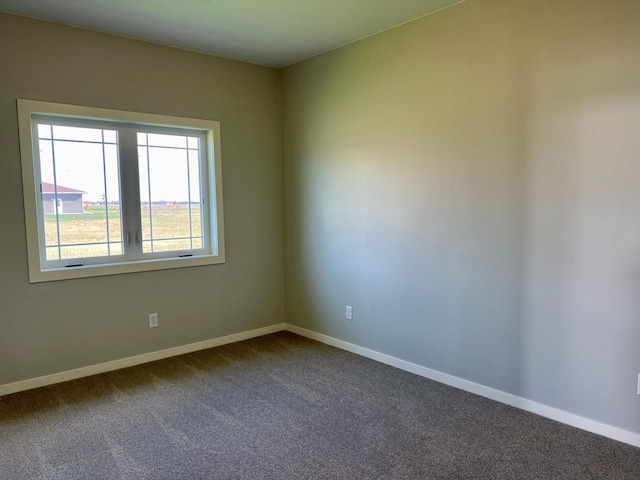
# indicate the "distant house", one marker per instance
pixel 69 199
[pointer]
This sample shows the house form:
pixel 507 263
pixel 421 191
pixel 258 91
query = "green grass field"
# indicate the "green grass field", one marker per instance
pixel 167 221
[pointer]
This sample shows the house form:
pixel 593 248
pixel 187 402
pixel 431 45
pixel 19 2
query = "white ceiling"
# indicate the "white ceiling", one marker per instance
pixel 267 32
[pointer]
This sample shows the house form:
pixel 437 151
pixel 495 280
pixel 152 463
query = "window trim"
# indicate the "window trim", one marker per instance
pixel 29 108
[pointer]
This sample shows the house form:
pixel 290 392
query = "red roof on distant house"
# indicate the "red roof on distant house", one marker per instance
pixel 50 188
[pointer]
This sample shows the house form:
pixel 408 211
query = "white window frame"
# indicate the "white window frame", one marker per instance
pixel 41 270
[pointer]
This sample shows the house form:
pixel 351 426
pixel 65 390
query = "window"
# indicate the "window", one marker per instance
pixel 110 192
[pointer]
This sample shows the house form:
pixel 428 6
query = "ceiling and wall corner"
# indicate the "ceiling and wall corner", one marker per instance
pixel 276 33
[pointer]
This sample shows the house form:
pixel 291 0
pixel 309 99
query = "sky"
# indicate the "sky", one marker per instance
pixel 87 159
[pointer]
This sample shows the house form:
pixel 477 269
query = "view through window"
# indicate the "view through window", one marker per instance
pixel 112 191
pixel 170 192
pixel 80 186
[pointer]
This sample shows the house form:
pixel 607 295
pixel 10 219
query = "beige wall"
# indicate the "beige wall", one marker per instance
pixel 470 184
pixel 57 326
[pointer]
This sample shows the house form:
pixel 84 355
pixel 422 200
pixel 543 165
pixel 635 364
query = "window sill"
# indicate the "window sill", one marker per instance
pixel 85 271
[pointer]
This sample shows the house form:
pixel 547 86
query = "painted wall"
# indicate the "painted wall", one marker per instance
pixel 470 184
pixel 57 326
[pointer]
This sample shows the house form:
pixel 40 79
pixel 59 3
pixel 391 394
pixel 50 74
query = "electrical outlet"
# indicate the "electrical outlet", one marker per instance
pixel 638 384
pixel 349 312
pixel 153 320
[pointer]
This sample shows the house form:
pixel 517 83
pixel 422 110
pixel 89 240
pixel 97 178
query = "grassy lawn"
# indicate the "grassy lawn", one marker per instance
pixel 169 221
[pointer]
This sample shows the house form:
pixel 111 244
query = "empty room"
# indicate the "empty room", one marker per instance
pixel 358 239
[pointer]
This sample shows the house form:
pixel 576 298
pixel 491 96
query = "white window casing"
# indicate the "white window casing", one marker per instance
pixel 131 245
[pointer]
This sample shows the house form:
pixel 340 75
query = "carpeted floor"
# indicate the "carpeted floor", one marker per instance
pixel 284 407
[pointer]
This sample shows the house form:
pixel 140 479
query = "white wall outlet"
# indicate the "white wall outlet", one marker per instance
pixel 349 312
pixel 153 320
pixel 638 384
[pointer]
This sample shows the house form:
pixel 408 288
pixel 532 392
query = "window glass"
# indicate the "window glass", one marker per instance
pixel 169 193
pixel 116 192
pixel 80 192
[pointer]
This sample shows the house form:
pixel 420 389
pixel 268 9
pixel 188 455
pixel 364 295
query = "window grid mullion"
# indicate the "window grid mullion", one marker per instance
pixel 204 177
pixel 146 149
pixel 55 192
pixel 106 195
pixel 189 198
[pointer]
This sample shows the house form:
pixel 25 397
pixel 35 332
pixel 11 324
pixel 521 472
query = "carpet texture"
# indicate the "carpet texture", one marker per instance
pixel 284 407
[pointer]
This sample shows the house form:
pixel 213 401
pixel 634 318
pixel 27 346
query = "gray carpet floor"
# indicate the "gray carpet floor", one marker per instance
pixel 284 407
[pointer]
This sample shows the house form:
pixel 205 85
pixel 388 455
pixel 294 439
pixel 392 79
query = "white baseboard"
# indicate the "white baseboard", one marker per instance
pixel 572 419
pixel 546 411
pixel 136 360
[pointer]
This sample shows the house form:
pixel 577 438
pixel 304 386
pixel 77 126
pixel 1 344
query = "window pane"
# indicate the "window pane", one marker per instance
pixel 77 133
pixel 116 248
pixel 44 131
pixel 159 140
pixel 84 251
pixel 112 198
pixel 110 136
pixel 48 197
pixel 196 222
pixel 80 194
pixel 171 245
pixel 52 253
pixel 145 199
pixel 169 194
pixel 194 193
pixel 76 164
pixel 50 231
